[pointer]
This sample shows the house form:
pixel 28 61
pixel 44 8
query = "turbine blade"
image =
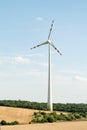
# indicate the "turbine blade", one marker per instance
pixel 50 29
pixel 39 45
pixel 56 48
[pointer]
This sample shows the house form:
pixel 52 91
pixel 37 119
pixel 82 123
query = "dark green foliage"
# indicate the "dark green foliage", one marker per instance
pixel 77 115
pixel 43 106
pixel 70 117
pixel 83 114
pixel 71 107
pixel 24 104
pixel 42 117
pixel 14 123
pixel 62 117
pixel 51 119
pixel 3 122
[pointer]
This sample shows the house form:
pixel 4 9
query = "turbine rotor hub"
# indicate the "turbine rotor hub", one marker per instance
pixel 49 41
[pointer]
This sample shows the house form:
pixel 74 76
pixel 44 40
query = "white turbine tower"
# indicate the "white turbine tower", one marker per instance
pixel 49 42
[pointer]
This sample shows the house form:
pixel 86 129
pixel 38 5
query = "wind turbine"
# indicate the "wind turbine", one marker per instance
pixel 49 43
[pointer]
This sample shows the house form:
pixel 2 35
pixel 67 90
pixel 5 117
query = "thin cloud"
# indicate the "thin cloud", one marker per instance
pixel 14 59
pixel 21 60
pixel 39 19
pixel 79 78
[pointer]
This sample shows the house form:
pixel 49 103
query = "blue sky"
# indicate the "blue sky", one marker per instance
pixel 23 73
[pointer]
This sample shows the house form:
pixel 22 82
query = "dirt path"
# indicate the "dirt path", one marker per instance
pixel 80 125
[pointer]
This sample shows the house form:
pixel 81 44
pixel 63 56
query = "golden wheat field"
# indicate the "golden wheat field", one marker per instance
pixel 9 114
pixel 23 116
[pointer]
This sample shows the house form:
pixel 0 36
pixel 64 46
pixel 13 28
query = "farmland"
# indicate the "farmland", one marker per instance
pixel 25 115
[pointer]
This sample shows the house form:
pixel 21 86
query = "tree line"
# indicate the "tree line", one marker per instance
pixel 68 107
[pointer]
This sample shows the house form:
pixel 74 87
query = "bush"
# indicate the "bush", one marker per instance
pixel 62 117
pixel 70 117
pixel 3 122
pixel 51 119
pixel 83 114
pixel 77 115
pixel 14 123
pixel 41 117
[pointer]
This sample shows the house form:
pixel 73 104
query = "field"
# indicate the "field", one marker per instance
pixel 9 114
pixel 25 115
